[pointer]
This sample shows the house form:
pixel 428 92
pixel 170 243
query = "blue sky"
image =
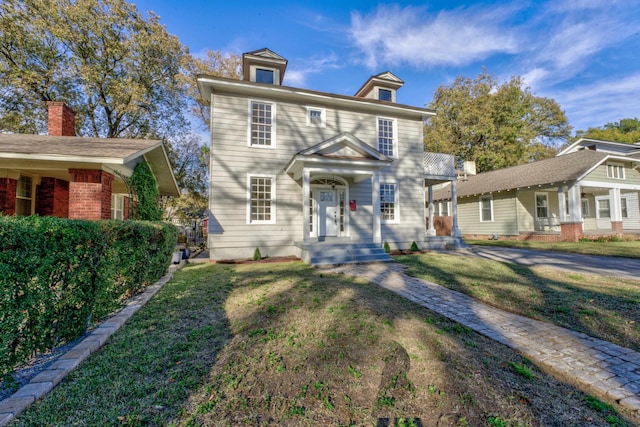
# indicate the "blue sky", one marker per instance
pixel 585 54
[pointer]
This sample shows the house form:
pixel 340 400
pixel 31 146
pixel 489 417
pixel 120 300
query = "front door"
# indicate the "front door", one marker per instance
pixel 327 213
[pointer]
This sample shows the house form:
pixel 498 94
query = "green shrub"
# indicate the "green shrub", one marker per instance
pixel 59 275
pixel 257 256
pixel 386 247
pixel 414 247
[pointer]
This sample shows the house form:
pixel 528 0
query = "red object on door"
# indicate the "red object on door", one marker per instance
pixel 352 205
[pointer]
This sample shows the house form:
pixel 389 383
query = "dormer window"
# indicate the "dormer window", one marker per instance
pixel 384 95
pixel 264 76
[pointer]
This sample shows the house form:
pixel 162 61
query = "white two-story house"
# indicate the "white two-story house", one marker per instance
pixel 324 177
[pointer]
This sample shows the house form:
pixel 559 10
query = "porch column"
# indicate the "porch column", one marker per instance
pixel 455 231
pixel 616 210
pixel 306 179
pixel 432 229
pixel 375 194
pixel 571 228
pixel 562 207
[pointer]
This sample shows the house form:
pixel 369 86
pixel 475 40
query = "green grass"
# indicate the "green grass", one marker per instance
pixel 203 352
pixel 625 248
pixel 603 307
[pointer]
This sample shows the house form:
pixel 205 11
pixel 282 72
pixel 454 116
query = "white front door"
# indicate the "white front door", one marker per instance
pixel 327 213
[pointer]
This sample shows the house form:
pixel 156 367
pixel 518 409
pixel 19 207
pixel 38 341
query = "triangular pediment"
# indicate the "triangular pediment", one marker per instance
pixel 347 146
pixel 265 53
pixel 388 75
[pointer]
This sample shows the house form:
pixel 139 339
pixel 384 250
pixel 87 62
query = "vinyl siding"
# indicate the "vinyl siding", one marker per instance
pixel 632 176
pixel 232 160
pixel 504 221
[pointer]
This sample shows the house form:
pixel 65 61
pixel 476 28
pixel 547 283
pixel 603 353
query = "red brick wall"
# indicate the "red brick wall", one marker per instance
pixel 571 231
pixel 8 189
pixel 90 194
pixel 62 119
pixel 52 198
pixel 616 227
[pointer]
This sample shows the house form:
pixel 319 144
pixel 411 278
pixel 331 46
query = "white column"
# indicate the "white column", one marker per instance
pixel 375 194
pixel 432 230
pixel 562 207
pixel 306 179
pixel 575 205
pixel 615 204
pixel 455 231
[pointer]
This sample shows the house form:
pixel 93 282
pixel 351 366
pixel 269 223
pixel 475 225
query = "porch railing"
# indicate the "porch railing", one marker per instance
pixel 438 164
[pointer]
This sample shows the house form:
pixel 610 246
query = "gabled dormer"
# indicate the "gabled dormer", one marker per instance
pixel 263 66
pixel 382 87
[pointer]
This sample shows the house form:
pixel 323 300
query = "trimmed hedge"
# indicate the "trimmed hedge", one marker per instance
pixel 58 276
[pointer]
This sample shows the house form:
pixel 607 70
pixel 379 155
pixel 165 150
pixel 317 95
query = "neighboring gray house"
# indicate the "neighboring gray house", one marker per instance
pixel 324 177
pixel 591 187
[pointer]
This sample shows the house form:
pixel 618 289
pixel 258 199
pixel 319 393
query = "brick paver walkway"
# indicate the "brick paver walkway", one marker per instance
pixel 595 366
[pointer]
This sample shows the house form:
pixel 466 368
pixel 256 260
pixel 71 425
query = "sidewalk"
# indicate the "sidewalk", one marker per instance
pixel 597 367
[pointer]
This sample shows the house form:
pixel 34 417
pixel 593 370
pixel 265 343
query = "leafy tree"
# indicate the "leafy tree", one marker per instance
pixel 626 130
pixel 144 186
pixel 495 125
pixel 117 69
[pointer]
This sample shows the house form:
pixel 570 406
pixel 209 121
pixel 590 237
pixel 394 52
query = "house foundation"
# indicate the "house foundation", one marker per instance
pixel 571 231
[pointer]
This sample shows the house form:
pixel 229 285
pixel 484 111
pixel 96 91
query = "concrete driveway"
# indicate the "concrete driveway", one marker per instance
pixel 591 264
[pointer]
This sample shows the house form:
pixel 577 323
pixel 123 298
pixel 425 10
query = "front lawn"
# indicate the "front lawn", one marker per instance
pixel 604 307
pixel 626 248
pixel 284 344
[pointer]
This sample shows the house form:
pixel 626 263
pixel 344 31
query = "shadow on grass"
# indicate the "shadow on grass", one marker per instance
pixel 607 313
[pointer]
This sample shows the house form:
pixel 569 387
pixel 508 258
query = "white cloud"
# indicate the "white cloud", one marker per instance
pixel 601 102
pixel 392 35
pixel 297 76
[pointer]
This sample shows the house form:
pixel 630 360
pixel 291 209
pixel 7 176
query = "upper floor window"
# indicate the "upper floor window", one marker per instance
pixel 261 203
pixel 387 136
pixel 264 76
pixel 486 208
pixel 262 124
pixel 388 202
pixel 316 117
pixel 615 171
pixel 384 95
pixel 24 195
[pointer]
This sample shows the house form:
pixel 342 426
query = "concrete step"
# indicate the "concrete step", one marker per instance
pixel 343 253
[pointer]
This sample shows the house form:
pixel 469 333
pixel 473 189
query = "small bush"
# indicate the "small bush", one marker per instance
pixel 257 256
pixel 386 247
pixel 414 247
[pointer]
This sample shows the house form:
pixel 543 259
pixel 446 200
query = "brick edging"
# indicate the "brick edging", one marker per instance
pixel 46 380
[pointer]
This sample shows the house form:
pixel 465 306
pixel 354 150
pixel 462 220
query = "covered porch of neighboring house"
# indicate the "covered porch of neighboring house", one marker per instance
pixel 67 176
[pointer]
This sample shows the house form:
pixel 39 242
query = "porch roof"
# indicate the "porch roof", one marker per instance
pixel 57 154
pixel 556 170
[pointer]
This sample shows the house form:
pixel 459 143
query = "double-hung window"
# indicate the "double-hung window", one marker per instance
pixel 388 202
pixel 486 208
pixel 623 207
pixel 604 208
pixel 24 196
pixel 261 207
pixel 542 205
pixel 615 171
pixel 117 206
pixel 262 124
pixel 316 117
pixel 387 136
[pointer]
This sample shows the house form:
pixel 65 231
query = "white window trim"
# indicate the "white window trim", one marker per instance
pixel 32 197
pixel 273 124
pixel 323 117
pixel 276 73
pixel 621 168
pixel 273 199
pixel 393 93
pixel 396 204
pixel 440 209
pixel 598 200
pixel 490 197
pixel 585 204
pixel 622 211
pixel 118 206
pixel 395 135
pixel 546 196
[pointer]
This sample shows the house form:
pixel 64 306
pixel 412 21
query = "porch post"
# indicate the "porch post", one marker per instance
pixel 432 229
pixel 306 179
pixel 616 210
pixel 562 207
pixel 375 194
pixel 571 228
pixel 455 231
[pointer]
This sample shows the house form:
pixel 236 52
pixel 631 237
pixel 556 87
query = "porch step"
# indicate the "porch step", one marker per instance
pixel 343 253
pixel 442 243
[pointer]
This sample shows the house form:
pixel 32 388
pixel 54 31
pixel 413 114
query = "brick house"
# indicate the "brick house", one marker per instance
pixel 63 175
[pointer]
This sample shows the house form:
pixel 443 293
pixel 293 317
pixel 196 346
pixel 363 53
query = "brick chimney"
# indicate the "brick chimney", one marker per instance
pixel 62 119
